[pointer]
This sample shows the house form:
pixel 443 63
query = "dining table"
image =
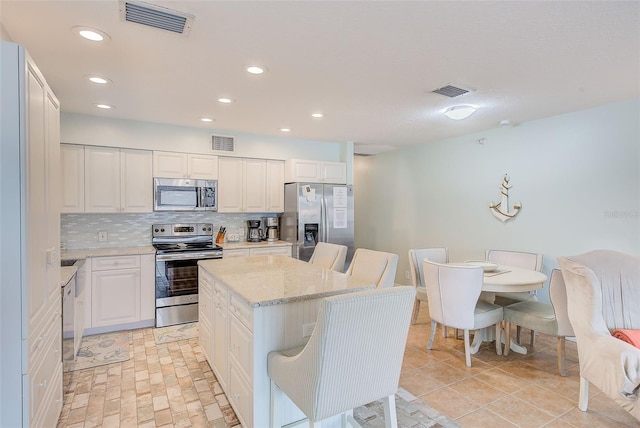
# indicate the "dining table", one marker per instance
pixel 506 279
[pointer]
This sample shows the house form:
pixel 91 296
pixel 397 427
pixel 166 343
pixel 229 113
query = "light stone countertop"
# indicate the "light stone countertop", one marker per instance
pixel 273 280
pixel 244 244
pixel 66 273
pixel 79 254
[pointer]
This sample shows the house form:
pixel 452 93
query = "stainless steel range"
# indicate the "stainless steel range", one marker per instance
pixel 178 249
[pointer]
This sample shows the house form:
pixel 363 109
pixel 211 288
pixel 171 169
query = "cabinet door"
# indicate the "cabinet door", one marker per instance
pixel 203 167
pixel 239 252
pixel 275 186
pixel 72 168
pixel 334 172
pixel 272 251
pixel 230 185
pixel 220 342
pixel 254 190
pixel 147 287
pixel 170 165
pixel 102 179
pixel 53 191
pixel 115 297
pixel 136 181
pixel 300 170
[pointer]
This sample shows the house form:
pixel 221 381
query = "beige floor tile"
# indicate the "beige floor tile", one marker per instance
pixel 544 399
pixel 484 418
pixel 477 391
pixel 520 412
pixel 450 402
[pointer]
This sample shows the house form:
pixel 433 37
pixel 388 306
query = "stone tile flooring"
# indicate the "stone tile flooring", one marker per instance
pixel 172 385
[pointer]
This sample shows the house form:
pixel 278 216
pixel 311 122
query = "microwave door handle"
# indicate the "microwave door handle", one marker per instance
pixel 200 197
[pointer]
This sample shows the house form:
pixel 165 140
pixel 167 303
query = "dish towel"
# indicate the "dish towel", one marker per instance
pixel 629 336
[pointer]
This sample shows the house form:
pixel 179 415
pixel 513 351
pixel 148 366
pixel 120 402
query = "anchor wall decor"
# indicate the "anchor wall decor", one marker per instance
pixel 501 209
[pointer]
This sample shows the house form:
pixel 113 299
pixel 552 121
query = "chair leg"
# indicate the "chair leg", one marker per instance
pixel 275 399
pixel 533 338
pixel 518 329
pixel 445 331
pixel 467 348
pixel 562 365
pixel 390 417
pixel 583 401
pixel 499 338
pixel 507 338
pixel 416 309
pixel 434 326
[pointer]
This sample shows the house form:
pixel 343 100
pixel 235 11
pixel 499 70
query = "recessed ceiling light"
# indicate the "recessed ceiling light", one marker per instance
pixel 105 106
pixel 206 119
pixel 285 129
pixel 317 115
pixel 92 34
pixel 459 112
pixel 99 80
pixel 254 69
pixel 224 100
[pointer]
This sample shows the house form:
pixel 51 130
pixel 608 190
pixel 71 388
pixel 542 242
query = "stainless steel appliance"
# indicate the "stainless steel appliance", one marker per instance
pixel 254 233
pixel 271 228
pixel 317 213
pixel 179 194
pixel 68 324
pixel 179 247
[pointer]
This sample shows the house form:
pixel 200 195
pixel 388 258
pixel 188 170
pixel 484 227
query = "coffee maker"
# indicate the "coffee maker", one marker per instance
pixel 271 228
pixel 254 233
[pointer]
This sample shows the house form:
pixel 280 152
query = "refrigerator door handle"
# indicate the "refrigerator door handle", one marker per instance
pixel 323 215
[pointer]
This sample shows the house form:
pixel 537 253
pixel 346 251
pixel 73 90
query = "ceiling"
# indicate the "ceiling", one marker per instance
pixel 369 66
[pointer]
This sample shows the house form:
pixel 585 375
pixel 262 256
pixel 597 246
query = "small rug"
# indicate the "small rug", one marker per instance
pixel 101 349
pixel 175 332
pixel 411 412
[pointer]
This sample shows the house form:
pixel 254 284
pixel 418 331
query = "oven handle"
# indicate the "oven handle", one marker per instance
pixel 188 256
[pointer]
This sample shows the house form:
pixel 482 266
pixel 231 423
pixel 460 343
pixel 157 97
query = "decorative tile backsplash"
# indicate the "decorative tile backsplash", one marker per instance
pixel 131 230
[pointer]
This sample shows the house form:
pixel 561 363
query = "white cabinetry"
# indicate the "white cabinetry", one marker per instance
pixel 250 185
pixel 118 180
pixel 185 165
pixel 269 250
pixel 72 168
pixel 122 292
pixel 311 171
pixel 30 301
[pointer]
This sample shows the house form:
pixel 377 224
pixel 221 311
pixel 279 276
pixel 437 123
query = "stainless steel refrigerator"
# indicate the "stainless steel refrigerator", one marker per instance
pixel 317 213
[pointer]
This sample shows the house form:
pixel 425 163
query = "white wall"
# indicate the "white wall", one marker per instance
pixel 98 131
pixel 577 176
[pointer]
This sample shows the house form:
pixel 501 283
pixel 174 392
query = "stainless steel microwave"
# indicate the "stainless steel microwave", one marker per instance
pixel 181 194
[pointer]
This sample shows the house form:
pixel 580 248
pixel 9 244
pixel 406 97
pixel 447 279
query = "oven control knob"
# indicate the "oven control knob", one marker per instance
pixel 156 230
pixel 209 229
pixel 162 230
pixel 204 229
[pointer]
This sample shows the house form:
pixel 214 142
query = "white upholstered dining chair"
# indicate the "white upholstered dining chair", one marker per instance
pixel 377 267
pixel 416 257
pixel 548 318
pixel 453 296
pixel 353 357
pixel 519 259
pixel 330 256
pixel 603 294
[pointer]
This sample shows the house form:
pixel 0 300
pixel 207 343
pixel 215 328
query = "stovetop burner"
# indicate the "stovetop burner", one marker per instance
pixel 186 246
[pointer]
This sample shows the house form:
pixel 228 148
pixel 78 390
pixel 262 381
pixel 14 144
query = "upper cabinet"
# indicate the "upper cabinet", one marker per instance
pixel 185 165
pixel 250 185
pixel 311 171
pixel 106 179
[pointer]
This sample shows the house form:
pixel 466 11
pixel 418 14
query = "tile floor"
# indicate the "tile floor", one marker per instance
pixel 171 385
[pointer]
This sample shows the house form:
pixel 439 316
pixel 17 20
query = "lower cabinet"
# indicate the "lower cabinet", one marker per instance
pixel 122 292
pixel 270 250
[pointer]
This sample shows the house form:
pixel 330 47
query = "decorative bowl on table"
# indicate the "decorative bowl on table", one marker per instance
pixel 486 266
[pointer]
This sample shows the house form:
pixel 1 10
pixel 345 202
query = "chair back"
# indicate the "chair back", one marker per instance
pixel 453 293
pixel 417 256
pixel 607 285
pixel 377 267
pixel 520 259
pixel 558 296
pixel 330 256
pixel 358 346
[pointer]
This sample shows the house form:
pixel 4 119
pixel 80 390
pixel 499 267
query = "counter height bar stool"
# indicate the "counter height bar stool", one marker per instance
pixel 454 301
pixel 330 256
pixel 353 357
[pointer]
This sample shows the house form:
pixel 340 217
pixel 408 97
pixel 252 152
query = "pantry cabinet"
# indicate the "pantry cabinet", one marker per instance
pixel 185 165
pixel 30 303
pixel 118 180
pixel 311 171
pixel 250 185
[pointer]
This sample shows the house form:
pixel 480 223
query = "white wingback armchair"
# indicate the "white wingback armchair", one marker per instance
pixel 375 266
pixel 330 256
pixel 603 294
pixel 416 268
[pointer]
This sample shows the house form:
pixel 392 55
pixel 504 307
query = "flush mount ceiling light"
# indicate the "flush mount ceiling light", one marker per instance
pixel 317 115
pixel 224 100
pixel 92 34
pixel 99 80
pixel 255 69
pixel 285 129
pixel 105 106
pixel 206 119
pixel 459 112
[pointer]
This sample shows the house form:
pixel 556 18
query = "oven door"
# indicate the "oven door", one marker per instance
pixel 177 277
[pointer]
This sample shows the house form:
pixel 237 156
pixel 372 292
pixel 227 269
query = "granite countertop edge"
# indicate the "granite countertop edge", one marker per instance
pixel 83 253
pixel 66 274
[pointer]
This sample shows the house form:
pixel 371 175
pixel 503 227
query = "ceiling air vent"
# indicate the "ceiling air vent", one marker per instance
pixel 223 143
pixel 451 91
pixel 156 16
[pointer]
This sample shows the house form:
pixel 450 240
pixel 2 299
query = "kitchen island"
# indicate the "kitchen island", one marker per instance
pixel 250 306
